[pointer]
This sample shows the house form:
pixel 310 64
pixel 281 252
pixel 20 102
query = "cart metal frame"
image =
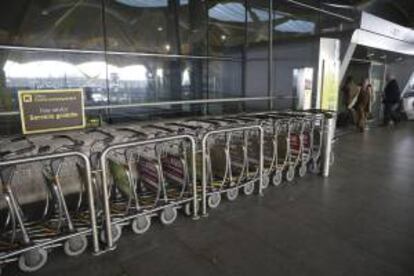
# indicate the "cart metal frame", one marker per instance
pixel 104 174
pixel 6 258
pixel 204 150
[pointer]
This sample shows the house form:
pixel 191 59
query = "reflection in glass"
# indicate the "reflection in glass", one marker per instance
pixel 234 30
pixel 156 26
pixel 54 24
pixel 143 79
pixel 25 70
pixel 225 79
pixel 226 28
pixel 148 3
pixel 296 26
pixel 235 12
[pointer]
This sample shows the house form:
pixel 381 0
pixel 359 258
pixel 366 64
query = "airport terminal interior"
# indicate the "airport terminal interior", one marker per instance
pixel 206 137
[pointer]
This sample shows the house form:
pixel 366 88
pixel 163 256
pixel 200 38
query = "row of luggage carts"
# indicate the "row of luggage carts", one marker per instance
pixel 80 188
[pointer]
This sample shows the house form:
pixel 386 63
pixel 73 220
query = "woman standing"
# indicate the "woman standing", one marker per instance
pixel 362 105
pixel 350 93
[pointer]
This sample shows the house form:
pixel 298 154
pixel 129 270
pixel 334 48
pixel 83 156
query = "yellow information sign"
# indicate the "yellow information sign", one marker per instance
pixel 51 110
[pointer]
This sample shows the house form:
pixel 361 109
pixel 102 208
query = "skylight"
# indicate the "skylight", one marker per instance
pixel 235 12
pixel 296 26
pixel 148 3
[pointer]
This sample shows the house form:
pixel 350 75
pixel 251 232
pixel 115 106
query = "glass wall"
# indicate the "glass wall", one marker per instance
pixel 148 58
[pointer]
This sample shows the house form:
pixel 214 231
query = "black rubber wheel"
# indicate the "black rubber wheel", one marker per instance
pixel 141 224
pixel 265 181
pixel 248 189
pixel 277 178
pixel 232 194
pixel 168 215
pixel 188 208
pixel 214 200
pixel 32 260
pixel 302 170
pixel 116 233
pixel 314 167
pixel 332 159
pixel 290 174
pixel 75 246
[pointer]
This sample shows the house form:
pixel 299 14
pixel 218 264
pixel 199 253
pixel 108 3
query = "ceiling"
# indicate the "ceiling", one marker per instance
pixel 398 11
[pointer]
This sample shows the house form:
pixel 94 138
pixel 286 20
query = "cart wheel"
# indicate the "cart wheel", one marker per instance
pixel 168 215
pixel 314 167
pixel 141 224
pixel 290 174
pixel 116 233
pixel 266 181
pixel 248 189
pixel 302 170
pixel 75 246
pixel 277 178
pixel 188 208
pixel 214 200
pixel 332 158
pixel 232 194
pixel 33 260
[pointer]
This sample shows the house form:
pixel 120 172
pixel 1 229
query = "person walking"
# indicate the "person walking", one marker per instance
pixel 350 92
pixel 391 100
pixel 362 105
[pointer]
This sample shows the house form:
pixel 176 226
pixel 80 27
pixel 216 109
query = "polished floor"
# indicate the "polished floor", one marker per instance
pixel 359 221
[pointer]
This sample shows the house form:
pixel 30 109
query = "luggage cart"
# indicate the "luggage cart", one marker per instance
pixel 158 188
pixel 300 143
pixel 218 151
pixel 320 119
pixel 185 155
pixel 46 214
pixel 253 145
pixel 244 155
pixel 277 145
pixel 92 142
pixel 222 151
pixel 196 128
pixel 228 163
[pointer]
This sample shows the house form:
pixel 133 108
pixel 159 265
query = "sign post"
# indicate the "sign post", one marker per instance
pixel 51 110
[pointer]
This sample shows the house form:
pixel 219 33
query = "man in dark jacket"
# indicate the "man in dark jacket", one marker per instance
pixel 391 101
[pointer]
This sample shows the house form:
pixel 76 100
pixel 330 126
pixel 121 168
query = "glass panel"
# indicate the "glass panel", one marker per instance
pixel 226 28
pixel 51 70
pixel 225 79
pixel 141 79
pixel 31 70
pixel 295 48
pixel 155 112
pixel 177 111
pixel 294 20
pixel 257 77
pixel 258 22
pixel 156 26
pixel 55 24
pixel 347 18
